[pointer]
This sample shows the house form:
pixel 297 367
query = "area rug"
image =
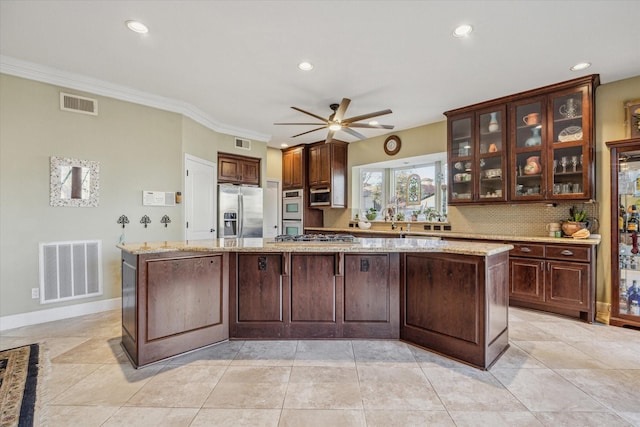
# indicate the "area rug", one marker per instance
pixel 18 384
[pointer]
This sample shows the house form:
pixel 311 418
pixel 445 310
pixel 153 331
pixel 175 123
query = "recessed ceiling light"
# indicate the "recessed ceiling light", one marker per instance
pixel 305 66
pixel 581 66
pixel 137 26
pixel 284 145
pixel 462 30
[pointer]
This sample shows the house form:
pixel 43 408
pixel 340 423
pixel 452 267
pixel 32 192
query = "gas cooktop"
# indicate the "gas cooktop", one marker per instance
pixel 315 238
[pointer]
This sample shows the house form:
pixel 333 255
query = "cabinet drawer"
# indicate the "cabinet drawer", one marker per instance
pixel 527 250
pixel 566 252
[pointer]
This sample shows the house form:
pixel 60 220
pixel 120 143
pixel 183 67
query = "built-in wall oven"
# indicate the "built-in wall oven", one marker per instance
pixel 292 212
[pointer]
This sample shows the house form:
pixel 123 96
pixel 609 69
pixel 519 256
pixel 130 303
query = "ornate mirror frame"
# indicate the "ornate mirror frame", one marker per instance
pixel 74 182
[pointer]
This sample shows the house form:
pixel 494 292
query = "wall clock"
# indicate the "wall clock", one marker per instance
pixel 392 145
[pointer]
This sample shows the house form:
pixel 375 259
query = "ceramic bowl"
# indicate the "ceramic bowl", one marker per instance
pixel 364 225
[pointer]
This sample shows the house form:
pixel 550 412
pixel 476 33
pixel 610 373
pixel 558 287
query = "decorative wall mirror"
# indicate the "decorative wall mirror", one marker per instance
pixel 74 182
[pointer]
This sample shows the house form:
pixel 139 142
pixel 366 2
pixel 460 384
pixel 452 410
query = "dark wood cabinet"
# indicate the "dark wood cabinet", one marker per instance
pixel 625 260
pixel 233 169
pixel 558 278
pixel 327 167
pixel 172 303
pixel 371 295
pixel 293 168
pixel 320 164
pixel 314 295
pixel 468 318
pixel 533 146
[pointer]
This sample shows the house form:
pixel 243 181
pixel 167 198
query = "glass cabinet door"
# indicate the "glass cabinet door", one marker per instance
pixel 570 157
pixel 461 160
pixel 491 158
pixel 628 205
pixel 529 156
pixel 625 230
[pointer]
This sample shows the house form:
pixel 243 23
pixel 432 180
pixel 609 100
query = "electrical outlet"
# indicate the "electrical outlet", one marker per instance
pixel 35 293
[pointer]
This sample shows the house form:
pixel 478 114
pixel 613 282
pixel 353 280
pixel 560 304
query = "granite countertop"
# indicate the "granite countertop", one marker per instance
pixel 594 239
pixel 360 245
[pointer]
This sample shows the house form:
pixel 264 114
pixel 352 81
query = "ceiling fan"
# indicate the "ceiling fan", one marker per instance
pixel 336 121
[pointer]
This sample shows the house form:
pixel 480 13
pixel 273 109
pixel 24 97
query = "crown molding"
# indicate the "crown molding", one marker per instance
pixel 53 76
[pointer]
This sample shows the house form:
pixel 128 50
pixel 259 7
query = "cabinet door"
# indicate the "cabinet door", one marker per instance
pixel 567 285
pixel 287 169
pixel 366 288
pixel 460 155
pixel 259 293
pixel 228 169
pixel 319 165
pixel 526 281
pixel 313 290
pixel 297 169
pixel 490 163
pixel 528 153
pixel 250 172
pixel 570 136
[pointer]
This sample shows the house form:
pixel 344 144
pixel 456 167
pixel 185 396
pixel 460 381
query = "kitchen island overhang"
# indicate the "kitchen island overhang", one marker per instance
pixel 449 297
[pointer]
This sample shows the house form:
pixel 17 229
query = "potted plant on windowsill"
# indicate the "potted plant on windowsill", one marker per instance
pixel 371 214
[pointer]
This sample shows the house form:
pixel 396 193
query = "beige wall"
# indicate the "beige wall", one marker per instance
pixel 138 148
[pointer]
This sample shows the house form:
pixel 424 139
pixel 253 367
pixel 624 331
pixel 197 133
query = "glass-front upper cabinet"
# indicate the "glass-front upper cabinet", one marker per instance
pixel 625 229
pixel 460 156
pixel 528 156
pixel 491 157
pixel 477 156
pixel 570 131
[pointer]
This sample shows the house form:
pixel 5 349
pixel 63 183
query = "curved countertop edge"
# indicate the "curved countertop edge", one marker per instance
pixel 362 245
pixel 594 239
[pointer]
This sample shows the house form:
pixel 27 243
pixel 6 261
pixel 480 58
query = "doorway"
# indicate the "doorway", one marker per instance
pixel 272 209
pixel 199 198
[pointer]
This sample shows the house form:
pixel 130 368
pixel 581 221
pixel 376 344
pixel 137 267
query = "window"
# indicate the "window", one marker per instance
pixel 372 191
pixel 412 190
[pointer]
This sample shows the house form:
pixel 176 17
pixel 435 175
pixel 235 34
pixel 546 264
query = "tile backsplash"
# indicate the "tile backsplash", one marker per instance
pixel 520 219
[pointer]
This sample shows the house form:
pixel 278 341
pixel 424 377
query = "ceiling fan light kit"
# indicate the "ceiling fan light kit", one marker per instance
pixel 336 121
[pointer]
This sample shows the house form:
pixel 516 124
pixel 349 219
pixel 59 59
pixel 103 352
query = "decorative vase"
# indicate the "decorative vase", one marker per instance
pixel 493 123
pixel 534 139
pixel 533 166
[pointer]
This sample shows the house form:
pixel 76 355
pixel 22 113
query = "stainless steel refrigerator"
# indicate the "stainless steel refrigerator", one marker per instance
pixel 239 211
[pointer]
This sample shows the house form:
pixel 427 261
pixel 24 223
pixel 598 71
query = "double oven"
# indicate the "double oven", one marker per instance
pixel 292 212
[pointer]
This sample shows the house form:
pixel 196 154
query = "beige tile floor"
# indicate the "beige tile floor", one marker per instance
pixel 557 372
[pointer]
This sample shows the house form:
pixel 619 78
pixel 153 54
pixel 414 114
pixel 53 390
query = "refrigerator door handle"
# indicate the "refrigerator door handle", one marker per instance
pixel 241 215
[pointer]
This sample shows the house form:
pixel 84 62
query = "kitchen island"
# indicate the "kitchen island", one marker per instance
pixel 449 297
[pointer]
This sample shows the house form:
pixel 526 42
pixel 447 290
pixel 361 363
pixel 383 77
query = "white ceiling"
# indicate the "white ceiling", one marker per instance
pixel 233 63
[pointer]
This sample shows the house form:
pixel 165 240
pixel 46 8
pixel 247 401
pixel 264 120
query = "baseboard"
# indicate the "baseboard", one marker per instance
pixel 58 313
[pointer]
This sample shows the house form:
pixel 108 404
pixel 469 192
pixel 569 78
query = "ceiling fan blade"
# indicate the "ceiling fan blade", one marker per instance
pixel 329 136
pixel 322 119
pixel 366 116
pixel 367 125
pixel 306 124
pixel 354 133
pixel 342 109
pixel 309 131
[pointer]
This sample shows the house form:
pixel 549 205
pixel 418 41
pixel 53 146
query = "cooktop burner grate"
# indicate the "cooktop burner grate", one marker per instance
pixel 335 238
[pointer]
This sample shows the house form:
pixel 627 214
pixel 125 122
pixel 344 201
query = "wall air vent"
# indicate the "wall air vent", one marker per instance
pixel 78 104
pixel 243 144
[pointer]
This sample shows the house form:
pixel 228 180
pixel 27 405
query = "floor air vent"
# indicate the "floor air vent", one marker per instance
pixel 245 144
pixel 70 270
pixel 78 104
